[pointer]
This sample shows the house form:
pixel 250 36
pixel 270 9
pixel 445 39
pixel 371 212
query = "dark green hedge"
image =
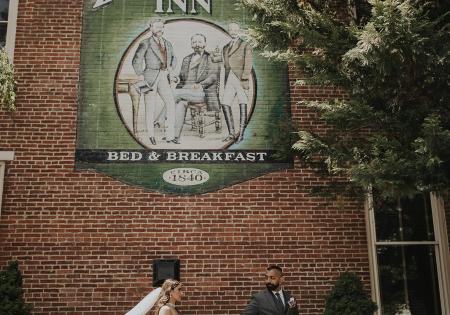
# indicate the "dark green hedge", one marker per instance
pixel 11 292
pixel 348 297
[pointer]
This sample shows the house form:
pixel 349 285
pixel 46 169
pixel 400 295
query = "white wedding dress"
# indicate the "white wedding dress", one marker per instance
pixel 146 303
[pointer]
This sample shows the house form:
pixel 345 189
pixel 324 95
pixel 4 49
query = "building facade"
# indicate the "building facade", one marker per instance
pixel 85 239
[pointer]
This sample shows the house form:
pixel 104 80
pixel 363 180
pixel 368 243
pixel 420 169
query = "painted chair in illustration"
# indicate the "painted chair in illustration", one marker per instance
pixel 201 118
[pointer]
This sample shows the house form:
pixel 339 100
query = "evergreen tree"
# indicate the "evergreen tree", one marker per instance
pixel 11 300
pixel 391 58
pixel 348 297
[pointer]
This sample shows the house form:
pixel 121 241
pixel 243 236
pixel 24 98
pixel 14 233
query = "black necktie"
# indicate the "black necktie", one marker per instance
pixel 279 301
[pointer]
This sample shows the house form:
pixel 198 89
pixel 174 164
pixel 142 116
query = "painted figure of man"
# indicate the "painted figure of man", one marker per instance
pixel 153 62
pixel 273 300
pixel 237 60
pixel 198 82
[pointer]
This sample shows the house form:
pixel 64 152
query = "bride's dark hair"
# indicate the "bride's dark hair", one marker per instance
pixel 164 296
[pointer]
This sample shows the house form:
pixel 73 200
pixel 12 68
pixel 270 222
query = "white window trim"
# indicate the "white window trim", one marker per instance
pixel 441 245
pixel 373 258
pixel 11 30
pixel 4 156
pixel 443 255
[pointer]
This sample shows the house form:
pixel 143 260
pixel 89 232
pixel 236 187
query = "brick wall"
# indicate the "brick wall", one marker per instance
pixel 85 242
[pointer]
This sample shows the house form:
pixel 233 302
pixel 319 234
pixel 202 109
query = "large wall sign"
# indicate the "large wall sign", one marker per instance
pixel 173 97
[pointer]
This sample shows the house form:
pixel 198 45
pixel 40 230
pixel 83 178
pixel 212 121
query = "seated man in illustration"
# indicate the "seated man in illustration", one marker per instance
pixel 197 82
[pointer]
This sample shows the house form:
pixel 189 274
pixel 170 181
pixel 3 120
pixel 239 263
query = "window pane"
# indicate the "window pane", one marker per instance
pixel 408 279
pixel 2 34
pixel 4 5
pixel 411 220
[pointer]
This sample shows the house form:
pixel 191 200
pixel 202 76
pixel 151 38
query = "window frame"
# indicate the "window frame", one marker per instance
pixel 11 28
pixel 4 156
pixel 441 246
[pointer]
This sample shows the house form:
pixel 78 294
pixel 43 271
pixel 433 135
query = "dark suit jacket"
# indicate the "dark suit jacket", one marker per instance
pixel 207 76
pixel 148 59
pixel 239 59
pixel 263 303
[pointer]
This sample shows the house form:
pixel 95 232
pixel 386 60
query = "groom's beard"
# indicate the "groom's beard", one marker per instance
pixel 271 286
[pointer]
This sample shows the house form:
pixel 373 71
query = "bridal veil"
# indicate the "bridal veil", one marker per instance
pixel 146 303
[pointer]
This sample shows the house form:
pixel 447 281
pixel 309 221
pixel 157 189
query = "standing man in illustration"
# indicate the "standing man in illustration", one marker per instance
pixel 237 60
pixel 153 62
pixel 198 82
pixel 273 300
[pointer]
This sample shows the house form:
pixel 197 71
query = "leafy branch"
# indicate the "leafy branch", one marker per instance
pixel 7 83
pixel 391 60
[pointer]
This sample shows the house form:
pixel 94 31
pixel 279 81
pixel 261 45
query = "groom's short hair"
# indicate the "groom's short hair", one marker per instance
pixel 275 267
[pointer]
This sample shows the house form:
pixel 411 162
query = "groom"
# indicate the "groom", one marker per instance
pixel 273 300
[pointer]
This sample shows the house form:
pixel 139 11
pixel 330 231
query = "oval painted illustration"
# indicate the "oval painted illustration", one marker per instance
pixel 195 102
pixel 185 176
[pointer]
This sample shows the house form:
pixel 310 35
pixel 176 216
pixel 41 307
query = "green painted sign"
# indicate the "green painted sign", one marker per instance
pixel 173 97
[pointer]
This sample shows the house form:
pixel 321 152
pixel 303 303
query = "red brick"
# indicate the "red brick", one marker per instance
pixel 85 242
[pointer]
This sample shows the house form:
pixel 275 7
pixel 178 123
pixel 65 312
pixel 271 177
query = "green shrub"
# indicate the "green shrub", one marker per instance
pixel 11 300
pixel 348 297
pixel 7 83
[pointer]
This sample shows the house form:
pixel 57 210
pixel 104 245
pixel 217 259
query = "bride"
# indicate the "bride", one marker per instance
pixel 164 297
